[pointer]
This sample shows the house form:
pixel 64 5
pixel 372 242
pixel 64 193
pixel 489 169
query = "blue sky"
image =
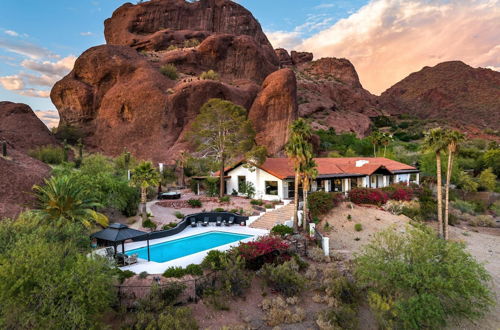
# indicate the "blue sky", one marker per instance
pixel 384 39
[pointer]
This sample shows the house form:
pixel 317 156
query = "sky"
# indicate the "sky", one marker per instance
pixel 385 39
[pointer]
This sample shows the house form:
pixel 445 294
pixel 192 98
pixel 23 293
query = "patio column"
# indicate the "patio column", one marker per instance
pixel 417 179
pixel 384 181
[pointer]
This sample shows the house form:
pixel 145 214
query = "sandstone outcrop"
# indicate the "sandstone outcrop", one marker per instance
pixel 450 92
pixel 23 131
pixel 330 93
pixel 301 57
pixel 274 109
pixel 21 128
pixel 157 24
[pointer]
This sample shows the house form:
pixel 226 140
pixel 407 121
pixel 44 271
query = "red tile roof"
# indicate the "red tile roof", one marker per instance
pixel 283 167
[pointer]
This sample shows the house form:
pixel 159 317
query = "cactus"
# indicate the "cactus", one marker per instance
pixel 4 148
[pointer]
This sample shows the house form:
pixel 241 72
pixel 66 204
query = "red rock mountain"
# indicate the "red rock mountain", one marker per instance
pixel 451 92
pixel 22 130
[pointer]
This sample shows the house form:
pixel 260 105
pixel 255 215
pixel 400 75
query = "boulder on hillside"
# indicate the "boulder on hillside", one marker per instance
pixel 301 57
pixel 274 110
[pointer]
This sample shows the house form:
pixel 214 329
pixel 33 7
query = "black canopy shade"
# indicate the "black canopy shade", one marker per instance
pixel 118 233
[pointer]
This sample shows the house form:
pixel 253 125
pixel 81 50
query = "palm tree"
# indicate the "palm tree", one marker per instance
pixel 375 138
pixel 453 139
pixel 144 176
pixel 385 139
pixel 308 172
pixel 297 149
pixel 435 141
pixel 62 200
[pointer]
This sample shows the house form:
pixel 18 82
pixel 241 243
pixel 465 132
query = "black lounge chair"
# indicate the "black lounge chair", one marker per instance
pixel 231 221
pixel 205 221
pixel 193 222
pixel 218 221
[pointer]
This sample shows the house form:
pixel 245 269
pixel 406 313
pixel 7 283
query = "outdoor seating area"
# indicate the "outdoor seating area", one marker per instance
pixel 217 218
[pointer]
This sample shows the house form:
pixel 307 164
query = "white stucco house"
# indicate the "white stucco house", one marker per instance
pixel 274 180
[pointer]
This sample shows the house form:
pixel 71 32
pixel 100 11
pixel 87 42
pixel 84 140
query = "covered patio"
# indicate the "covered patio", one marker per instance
pixel 117 234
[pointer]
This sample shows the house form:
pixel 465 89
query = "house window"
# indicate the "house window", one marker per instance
pixel 271 188
pixel 242 180
pixel 337 185
pixel 354 182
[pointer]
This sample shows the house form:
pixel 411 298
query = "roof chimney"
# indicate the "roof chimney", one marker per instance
pixel 360 163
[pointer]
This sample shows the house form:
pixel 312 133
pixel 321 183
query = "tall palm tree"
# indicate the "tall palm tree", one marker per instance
pixel 375 138
pixel 144 176
pixel 62 200
pixel 385 139
pixel 297 149
pixel 308 172
pixel 453 140
pixel 435 141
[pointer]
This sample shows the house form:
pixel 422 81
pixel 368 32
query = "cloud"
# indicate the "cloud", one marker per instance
pixel 48 117
pixel 26 49
pixel 284 39
pixel 86 34
pixel 45 74
pixel 12 83
pixel 324 6
pixel 58 68
pixel 388 39
pixel 11 33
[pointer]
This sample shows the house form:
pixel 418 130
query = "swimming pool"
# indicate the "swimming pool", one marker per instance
pixel 182 247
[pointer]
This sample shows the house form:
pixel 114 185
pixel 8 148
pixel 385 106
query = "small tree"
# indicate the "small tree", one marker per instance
pixel 222 131
pixel 170 71
pixel 144 176
pixel 487 180
pixel 209 75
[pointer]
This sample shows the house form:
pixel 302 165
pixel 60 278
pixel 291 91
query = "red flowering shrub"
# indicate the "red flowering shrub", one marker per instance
pixel 368 196
pixel 400 192
pixel 267 249
pixel 321 202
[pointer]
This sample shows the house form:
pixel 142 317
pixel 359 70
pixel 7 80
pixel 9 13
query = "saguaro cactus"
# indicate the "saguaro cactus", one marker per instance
pixel 4 148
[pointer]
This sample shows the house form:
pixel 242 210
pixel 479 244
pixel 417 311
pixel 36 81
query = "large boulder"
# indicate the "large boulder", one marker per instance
pixel 155 25
pixel 274 109
pixel 330 93
pixel 21 128
pixel 451 92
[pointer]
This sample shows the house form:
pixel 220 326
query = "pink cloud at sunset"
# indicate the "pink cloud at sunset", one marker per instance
pixel 388 39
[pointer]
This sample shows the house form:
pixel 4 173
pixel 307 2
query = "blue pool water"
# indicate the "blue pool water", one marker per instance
pixel 182 247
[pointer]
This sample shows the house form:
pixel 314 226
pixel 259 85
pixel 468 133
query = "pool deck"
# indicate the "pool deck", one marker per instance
pixel 158 268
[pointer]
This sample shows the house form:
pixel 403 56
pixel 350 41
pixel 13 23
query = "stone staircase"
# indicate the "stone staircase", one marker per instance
pixel 271 218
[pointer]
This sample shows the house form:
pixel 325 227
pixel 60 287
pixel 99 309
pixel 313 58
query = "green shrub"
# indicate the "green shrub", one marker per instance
pixel 257 202
pixel 282 230
pixel 48 154
pixel 177 272
pixel 209 75
pixel 487 180
pixel 175 318
pixel 69 134
pixel 412 213
pixel 123 274
pixel 179 215
pixel 284 278
pixel 464 206
pixel 495 207
pixel 420 281
pixel 214 260
pixel 248 189
pixel 320 203
pixel 483 220
pixel 234 279
pixel 143 274
pixel 193 269
pixel 148 223
pixel 358 227
pixel 172 47
pixel 193 42
pixel 170 71
pixel 224 199
pixel 169 225
pixel 194 202
pixel 269 206
pixel 219 209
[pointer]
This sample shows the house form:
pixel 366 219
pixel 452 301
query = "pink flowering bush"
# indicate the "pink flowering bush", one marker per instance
pixel 267 249
pixel 400 192
pixel 368 196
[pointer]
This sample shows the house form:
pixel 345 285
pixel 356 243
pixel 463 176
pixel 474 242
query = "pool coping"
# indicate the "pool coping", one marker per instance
pixel 153 267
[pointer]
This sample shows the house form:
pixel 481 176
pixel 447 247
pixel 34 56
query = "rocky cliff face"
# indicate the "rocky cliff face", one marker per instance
pixel 118 97
pixel 23 131
pixel 451 92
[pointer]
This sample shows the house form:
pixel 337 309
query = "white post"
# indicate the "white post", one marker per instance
pixel 417 179
pixel 312 228
pixel 161 167
pixel 128 175
pixel 299 216
pixel 384 181
pixel 326 246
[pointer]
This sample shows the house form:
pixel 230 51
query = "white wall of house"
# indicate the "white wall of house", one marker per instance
pixel 258 177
